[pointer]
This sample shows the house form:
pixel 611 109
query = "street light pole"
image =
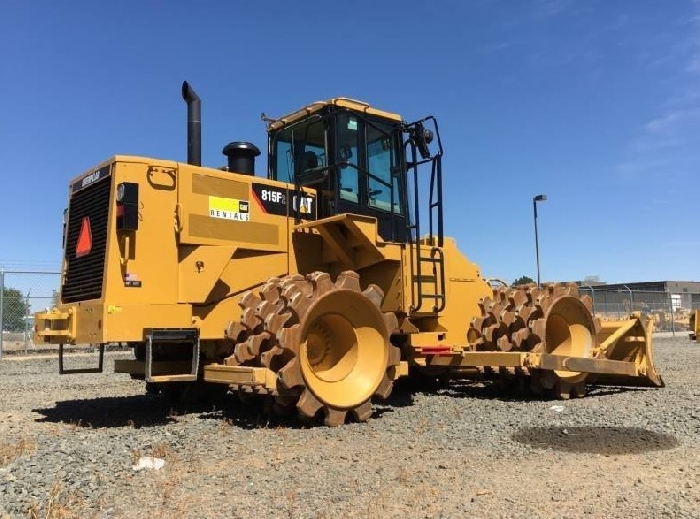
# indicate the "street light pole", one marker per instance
pixel 538 198
pixel 2 315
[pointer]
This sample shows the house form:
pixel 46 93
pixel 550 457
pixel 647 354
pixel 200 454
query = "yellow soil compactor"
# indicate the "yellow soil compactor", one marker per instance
pixel 694 325
pixel 316 285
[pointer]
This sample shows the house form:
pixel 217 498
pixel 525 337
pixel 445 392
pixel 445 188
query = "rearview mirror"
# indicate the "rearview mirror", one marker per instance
pixel 422 138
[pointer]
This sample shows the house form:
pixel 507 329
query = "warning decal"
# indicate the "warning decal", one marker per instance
pixel 84 245
pixel 229 209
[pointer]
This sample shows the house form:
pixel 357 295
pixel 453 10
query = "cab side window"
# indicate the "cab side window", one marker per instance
pixel 298 150
pixel 348 136
pixel 383 190
pixel 284 166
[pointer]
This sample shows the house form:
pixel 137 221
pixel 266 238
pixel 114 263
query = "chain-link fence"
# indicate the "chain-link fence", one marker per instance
pixel 24 292
pixel 671 312
pixel 21 294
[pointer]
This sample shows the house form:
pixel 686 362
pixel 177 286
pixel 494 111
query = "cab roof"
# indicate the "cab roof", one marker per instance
pixel 343 102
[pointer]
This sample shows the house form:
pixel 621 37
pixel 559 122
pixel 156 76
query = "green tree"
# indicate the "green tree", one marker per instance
pixel 523 280
pixel 14 310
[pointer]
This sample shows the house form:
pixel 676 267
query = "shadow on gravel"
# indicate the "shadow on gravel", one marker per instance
pixel 615 390
pixel 155 410
pixel 251 416
pixel 608 441
pixel 128 411
pixel 404 389
pixel 258 415
pixel 254 415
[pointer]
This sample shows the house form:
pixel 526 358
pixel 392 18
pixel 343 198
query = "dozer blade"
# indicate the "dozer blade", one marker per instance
pixel 628 340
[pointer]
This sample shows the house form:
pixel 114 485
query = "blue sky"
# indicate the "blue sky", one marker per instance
pixel 595 103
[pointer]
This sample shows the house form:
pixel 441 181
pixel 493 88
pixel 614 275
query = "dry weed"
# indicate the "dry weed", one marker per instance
pixel 55 429
pixel 59 505
pixel 12 451
pixel 292 498
pixel 376 508
pixel 74 425
pixel 162 450
pixel 225 426
pixel 168 486
pixel 174 413
pixel 135 455
pixel 403 476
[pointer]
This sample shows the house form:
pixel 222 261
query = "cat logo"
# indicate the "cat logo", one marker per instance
pixel 305 204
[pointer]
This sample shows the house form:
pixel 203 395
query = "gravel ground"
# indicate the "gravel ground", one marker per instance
pixel 67 445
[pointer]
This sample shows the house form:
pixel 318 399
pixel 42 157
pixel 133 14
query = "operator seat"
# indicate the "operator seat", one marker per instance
pixel 310 160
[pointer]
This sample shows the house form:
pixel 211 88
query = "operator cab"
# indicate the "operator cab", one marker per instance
pixel 352 154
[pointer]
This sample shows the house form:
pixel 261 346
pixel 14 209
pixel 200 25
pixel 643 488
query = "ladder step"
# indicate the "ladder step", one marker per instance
pixel 64 371
pixel 173 378
pixel 161 335
pixel 172 335
pixel 434 296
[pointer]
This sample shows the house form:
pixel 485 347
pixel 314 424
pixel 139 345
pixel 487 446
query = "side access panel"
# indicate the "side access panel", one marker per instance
pixel 221 208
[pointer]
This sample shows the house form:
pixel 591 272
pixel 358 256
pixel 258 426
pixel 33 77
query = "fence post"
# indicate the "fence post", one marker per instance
pixel 592 296
pixel 26 322
pixel 631 299
pixel 673 314
pixel 2 315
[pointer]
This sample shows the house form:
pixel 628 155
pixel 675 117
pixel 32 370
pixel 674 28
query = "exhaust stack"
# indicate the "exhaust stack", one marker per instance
pixel 194 125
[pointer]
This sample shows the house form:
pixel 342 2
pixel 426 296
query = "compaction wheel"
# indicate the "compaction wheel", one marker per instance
pixel 328 343
pixel 553 320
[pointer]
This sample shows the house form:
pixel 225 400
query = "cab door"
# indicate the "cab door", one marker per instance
pixel 369 175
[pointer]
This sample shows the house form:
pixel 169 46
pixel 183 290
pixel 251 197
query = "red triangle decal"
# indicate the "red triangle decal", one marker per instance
pixel 84 245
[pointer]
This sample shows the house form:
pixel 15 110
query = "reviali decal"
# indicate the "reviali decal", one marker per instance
pixel 229 209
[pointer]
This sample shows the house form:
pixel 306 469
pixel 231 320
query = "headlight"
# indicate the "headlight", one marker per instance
pixel 120 192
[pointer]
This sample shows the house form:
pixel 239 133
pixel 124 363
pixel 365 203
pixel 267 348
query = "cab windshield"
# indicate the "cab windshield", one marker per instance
pixel 298 148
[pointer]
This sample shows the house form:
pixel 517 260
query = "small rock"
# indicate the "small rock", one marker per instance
pixel 149 462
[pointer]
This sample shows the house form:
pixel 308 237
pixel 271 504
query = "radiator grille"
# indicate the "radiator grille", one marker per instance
pixel 84 274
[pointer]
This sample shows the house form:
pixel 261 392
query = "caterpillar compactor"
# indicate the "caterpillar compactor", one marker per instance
pixel 694 325
pixel 318 284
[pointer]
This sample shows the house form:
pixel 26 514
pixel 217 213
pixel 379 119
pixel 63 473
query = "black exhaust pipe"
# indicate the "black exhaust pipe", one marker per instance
pixel 194 125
